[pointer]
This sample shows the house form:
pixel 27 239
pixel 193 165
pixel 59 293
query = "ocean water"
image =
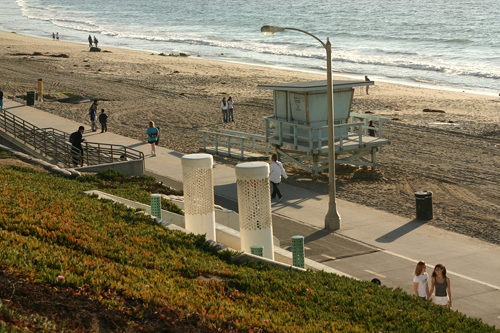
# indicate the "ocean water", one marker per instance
pixel 449 44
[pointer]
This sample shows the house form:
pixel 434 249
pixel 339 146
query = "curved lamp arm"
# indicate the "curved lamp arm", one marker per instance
pixel 269 30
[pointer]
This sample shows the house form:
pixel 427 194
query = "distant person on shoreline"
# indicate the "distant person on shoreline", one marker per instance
pixel 57 36
pixel 76 140
pixel 103 119
pixel 420 281
pixel 95 41
pixel 223 106
pixel 90 41
pixel 276 171
pixel 152 133
pixel 53 36
pixel 230 106
pixel 442 284
pixel 367 79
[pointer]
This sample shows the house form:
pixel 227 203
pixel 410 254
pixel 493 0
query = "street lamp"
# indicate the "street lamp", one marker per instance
pixel 332 218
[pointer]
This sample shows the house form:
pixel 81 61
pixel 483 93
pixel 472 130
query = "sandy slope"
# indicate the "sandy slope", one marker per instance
pixel 460 164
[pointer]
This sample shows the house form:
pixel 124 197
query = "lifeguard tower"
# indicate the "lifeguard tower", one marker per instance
pixel 298 128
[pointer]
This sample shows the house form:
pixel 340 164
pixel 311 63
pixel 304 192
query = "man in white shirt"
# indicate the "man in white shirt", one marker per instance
pixel 276 171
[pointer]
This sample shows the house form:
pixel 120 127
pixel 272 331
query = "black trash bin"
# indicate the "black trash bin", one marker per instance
pixel 30 98
pixel 424 205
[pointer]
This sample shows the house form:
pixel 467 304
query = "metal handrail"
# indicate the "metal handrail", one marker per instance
pixel 54 143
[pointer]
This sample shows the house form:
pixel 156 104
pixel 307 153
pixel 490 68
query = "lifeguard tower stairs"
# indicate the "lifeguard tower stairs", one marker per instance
pixel 298 128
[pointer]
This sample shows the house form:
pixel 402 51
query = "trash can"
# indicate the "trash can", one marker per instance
pixel 424 205
pixel 30 98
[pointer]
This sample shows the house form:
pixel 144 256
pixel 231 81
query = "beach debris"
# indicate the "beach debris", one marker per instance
pixel 433 110
pixel 95 49
pixel 175 72
pixel 395 118
pixel 368 112
pixel 62 55
pixel 182 94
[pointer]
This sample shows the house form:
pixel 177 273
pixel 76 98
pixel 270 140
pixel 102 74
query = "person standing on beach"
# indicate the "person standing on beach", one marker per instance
pixel 371 131
pixel 95 41
pixel 442 284
pixel 152 133
pixel 420 281
pixel 76 140
pixel 57 36
pixel 367 79
pixel 230 106
pixel 276 171
pixel 1 99
pixel 90 41
pixel 223 106
pixel 53 36
pixel 103 119
pixel 93 114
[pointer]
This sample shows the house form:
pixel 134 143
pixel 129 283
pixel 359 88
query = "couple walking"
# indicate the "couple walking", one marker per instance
pixel 227 109
pixel 103 117
pixel 439 282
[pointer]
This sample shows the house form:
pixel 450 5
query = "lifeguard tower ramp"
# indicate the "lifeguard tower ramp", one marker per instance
pixel 299 125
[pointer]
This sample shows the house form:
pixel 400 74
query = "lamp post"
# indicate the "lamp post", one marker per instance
pixel 332 218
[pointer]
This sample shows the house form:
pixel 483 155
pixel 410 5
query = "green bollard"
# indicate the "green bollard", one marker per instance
pixel 257 250
pixel 298 251
pixel 156 205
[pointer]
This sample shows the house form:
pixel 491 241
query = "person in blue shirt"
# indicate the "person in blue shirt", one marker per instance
pixel 152 133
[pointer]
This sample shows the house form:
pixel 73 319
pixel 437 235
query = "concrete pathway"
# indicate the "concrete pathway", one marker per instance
pixel 370 244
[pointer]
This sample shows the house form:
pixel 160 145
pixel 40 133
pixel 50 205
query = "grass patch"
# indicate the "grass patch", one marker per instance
pixel 133 272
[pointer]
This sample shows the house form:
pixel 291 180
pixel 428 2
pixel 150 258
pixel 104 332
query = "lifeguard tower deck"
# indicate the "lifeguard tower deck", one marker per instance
pixel 298 128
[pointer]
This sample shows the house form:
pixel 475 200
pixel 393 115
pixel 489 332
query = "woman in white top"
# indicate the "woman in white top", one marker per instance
pixel 420 284
pixel 230 106
pixel 223 106
pixel 276 170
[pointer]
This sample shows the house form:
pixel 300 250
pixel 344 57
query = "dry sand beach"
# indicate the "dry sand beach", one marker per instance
pixel 458 160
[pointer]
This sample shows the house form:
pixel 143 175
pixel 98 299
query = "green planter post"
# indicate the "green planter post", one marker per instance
pixel 298 251
pixel 257 250
pixel 156 205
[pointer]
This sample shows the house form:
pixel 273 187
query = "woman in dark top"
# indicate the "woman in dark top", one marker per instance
pixel 442 284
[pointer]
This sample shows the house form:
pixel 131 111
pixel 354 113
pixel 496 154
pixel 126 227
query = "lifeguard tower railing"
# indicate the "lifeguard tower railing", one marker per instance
pixel 53 145
pixel 353 145
pixel 240 145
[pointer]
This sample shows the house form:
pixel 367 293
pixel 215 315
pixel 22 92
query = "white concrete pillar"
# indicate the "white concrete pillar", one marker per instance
pixel 254 205
pixel 199 211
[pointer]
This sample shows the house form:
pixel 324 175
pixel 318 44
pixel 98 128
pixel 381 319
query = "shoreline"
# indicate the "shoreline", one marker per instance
pixel 376 78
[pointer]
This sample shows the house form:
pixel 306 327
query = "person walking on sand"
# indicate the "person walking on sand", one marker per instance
pixel 95 41
pixel 420 281
pixel 90 41
pixel 76 140
pixel 230 106
pixel 1 99
pixel 152 133
pixel 367 79
pixel 442 284
pixel 276 171
pixel 93 114
pixel 223 106
pixel 103 119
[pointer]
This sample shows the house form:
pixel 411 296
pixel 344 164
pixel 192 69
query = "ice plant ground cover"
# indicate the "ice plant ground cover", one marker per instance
pixel 73 263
